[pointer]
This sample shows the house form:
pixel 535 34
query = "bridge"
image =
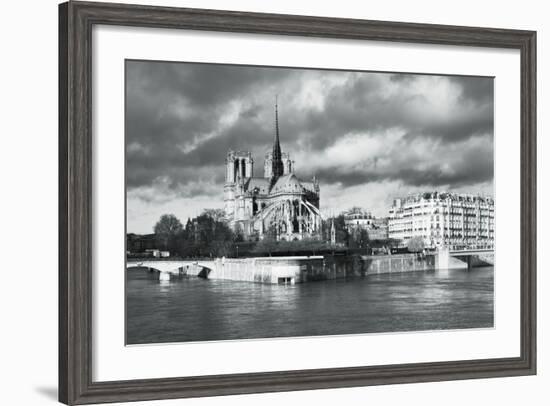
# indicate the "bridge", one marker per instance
pixel 468 258
pixel 471 251
pixel 169 268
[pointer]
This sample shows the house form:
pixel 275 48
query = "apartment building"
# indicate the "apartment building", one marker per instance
pixel 444 219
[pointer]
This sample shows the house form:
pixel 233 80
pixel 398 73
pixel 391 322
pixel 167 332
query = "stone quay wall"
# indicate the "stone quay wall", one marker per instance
pixel 398 263
pixel 291 270
pixel 274 270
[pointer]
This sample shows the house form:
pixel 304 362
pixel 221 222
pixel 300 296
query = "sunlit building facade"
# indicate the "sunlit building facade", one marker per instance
pixel 454 220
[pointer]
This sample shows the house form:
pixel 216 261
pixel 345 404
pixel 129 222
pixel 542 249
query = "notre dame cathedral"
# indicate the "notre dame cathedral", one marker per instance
pixel 277 203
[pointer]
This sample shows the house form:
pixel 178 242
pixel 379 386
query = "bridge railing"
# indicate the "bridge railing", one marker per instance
pixel 472 250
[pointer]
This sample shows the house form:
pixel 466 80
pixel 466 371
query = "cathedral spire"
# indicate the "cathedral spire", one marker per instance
pixel 277 162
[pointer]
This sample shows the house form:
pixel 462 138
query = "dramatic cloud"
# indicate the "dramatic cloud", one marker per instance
pixel 367 136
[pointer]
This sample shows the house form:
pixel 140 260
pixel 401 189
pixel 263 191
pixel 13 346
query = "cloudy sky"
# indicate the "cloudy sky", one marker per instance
pixel 368 137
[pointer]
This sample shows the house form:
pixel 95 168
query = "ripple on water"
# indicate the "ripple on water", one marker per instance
pixel 193 309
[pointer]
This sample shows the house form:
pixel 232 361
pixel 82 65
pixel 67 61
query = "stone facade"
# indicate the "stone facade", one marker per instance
pixel 444 219
pixel 357 218
pixel 278 204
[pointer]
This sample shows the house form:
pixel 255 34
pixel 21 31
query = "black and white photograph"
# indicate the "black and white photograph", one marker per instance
pixel 266 203
pixel 269 202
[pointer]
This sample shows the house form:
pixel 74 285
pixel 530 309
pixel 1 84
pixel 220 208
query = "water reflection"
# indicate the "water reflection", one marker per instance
pixel 193 309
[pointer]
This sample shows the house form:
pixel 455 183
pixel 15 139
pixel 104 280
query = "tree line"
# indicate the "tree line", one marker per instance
pixel 203 236
pixel 208 235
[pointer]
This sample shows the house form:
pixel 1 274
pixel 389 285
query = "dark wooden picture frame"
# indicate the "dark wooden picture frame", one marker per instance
pixel 76 20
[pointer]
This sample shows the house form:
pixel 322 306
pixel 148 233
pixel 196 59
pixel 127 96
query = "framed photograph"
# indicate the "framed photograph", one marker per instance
pixel 258 202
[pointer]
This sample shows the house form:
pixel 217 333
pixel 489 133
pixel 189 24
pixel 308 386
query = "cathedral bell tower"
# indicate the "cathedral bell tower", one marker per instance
pixel 238 167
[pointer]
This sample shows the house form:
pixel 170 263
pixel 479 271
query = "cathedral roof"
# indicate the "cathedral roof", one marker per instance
pixel 287 183
pixel 261 183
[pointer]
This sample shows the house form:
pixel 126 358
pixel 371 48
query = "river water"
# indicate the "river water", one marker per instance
pixel 194 309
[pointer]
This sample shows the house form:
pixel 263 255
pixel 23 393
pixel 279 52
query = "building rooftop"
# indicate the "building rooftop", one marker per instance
pixel 445 196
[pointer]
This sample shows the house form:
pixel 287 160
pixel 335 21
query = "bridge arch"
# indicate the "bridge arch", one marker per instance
pixel 174 267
